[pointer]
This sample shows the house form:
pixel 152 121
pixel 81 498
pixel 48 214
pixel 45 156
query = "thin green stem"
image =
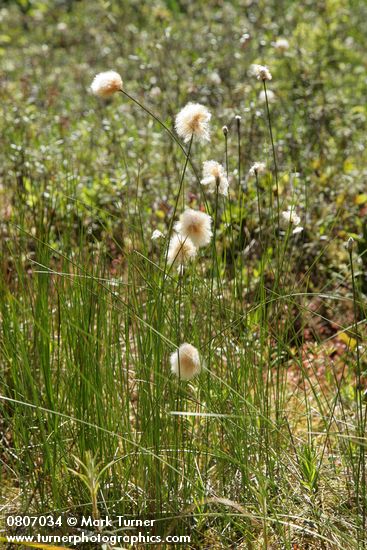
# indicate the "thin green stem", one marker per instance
pixel 233 259
pixel 241 199
pixel 259 208
pixel 274 154
pixel 213 270
pixel 169 233
pixel 361 471
pixel 172 135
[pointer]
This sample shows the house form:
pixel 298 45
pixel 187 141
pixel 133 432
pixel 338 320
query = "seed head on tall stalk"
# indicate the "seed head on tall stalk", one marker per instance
pixel 262 73
pixel 108 83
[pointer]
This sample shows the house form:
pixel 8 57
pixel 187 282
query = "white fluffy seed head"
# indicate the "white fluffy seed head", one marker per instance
pixel 214 78
pixel 245 39
pixel 106 84
pixel 291 220
pixel 156 235
pixel 271 96
pixel 261 72
pixel 214 175
pixel 257 168
pixel 185 362
pixel 180 251
pixel 195 225
pixel 291 217
pixel 281 44
pixel 193 120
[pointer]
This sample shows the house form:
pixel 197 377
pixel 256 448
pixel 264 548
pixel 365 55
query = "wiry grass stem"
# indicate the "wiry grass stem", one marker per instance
pixel 360 417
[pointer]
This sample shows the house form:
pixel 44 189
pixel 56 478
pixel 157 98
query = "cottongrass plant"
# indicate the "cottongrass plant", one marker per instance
pixel 157 234
pixel 257 168
pixel 281 45
pixel 196 226
pixel 106 84
pixel 271 96
pixel 291 218
pixel 193 120
pixel 215 177
pixel 180 251
pixel 92 365
pixel 185 362
pixel 261 72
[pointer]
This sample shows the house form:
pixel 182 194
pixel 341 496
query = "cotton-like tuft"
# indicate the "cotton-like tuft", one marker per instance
pixel 257 168
pixel 214 78
pixel 245 39
pixel 156 235
pixel 185 362
pixel 106 84
pixel 271 96
pixel 291 218
pixel 180 251
pixel 195 225
pixel 155 92
pixel 193 120
pixel 261 72
pixel 214 175
pixel 281 44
